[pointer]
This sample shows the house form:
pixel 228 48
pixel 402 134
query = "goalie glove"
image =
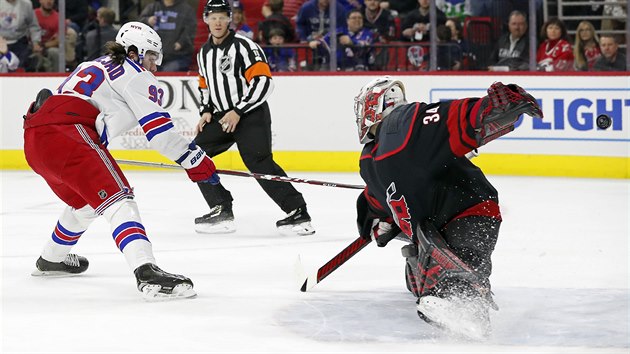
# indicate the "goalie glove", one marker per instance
pixel 198 165
pixel 501 109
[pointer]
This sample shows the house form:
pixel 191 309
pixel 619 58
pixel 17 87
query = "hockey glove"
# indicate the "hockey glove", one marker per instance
pixel 383 231
pixel 199 166
pixel 501 109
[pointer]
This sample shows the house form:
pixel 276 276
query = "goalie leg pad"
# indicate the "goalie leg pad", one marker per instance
pixel 472 239
pixel 437 262
pixel 452 295
pixel 503 105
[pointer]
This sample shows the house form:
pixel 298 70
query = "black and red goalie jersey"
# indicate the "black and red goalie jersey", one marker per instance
pixel 415 168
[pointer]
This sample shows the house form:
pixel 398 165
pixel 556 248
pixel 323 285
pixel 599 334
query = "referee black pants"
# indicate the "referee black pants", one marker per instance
pixel 253 140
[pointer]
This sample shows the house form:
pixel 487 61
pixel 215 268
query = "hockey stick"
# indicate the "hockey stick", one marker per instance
pixel 246 174
pixel 330 266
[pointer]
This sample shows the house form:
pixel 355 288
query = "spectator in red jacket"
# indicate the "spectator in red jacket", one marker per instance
pixel 555 52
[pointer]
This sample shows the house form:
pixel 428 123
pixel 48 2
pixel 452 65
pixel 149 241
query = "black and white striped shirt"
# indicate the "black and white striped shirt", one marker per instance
pixel 233 75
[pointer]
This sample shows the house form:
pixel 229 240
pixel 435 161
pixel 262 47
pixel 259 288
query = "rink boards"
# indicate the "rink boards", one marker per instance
pixel 314 129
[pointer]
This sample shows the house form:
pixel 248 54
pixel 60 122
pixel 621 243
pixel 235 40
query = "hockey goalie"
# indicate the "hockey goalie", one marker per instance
pixel 422 187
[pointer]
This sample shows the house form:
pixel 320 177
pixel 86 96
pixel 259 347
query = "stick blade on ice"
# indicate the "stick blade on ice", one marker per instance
pixel 304 282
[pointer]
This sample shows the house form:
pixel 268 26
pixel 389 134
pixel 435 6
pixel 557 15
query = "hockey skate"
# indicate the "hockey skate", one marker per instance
pixel 70 266
pixel 459 308
pixel 157 285
pixel 297 222
pixel 220 220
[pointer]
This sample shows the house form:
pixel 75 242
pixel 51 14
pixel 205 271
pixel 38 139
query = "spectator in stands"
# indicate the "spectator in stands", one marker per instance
pixel 239 22
pixel 290 9
pixel 380 21
pixel 8 61
pixel 555 52
pixel 280 58
pixel 103 33
pixel 468 57
pixel 416 25
pixel 19 27
pixel 586 49
pixel 175 21
pixel 354 52
pixel 77 11
pixel 512 50
pixel 313 20
pixel 617 14
pixel 612 59
pixel 449 55
pixel 276 20
pixel 48 19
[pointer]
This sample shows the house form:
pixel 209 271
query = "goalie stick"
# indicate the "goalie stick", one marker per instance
pixel 330 266
pixel 246 174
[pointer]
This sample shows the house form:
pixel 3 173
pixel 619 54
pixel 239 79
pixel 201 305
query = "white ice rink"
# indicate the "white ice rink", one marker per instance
pixel 561 274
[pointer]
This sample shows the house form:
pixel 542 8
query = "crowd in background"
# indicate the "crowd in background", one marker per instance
pixel 380 35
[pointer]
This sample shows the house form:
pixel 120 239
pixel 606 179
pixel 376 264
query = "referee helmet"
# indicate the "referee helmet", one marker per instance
pixel 217 6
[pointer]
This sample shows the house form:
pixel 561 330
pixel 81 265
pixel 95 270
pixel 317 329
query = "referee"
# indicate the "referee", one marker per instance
pixel 235 82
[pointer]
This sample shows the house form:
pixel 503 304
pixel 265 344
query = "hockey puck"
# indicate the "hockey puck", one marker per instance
pixel 603 121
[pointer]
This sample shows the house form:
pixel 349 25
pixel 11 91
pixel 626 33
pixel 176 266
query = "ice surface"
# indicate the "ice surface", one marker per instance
pixel 561 273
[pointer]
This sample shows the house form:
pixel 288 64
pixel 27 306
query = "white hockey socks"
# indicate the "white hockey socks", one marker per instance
pixel 128 233
pixel 71 225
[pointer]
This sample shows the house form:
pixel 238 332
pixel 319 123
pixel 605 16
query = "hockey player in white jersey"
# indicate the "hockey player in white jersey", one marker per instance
pixel 65 141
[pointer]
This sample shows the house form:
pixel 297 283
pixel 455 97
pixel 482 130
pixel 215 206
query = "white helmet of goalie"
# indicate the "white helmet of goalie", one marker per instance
pixel 375 101
pixel 142 37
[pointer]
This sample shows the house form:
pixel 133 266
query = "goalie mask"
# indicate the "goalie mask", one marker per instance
pixel 375 101
pixel 142 37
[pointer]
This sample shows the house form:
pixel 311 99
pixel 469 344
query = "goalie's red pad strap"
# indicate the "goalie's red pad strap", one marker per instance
pixel 488 208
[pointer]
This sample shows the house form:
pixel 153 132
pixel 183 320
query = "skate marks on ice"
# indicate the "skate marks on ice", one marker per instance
pixel 533 317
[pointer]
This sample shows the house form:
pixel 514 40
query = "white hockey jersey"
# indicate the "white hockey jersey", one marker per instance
pixel 125 95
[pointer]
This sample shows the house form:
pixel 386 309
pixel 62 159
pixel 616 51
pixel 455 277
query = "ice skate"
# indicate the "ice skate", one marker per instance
pixel 297 222
pixel 459 310
pixel 220 220
pixel 70 266
pixel 157 285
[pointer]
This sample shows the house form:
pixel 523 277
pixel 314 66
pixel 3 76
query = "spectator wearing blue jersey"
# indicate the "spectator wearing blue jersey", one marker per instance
pixel 354 52
pixel 313 20
pixel 239 22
